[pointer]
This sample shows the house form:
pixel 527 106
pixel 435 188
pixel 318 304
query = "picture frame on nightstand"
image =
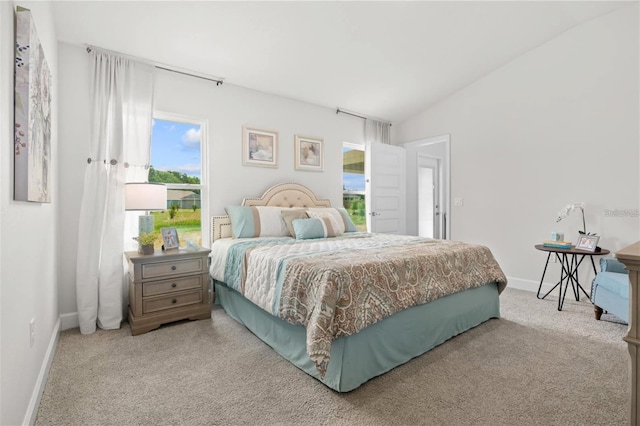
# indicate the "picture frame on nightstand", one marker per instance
pixel 170 239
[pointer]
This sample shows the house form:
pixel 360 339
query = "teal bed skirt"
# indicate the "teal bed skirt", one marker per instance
pixel 379 347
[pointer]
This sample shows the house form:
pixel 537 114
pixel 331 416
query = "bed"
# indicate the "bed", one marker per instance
pixel 347 307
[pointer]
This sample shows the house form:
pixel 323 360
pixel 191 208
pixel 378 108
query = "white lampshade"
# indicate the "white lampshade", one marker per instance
pixel 145 196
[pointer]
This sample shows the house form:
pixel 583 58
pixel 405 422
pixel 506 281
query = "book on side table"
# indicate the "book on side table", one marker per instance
pixel 557 244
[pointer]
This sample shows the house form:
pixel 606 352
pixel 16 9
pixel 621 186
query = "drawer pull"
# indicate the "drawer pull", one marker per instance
pixel 174 301
pixel 173 268
pixel 174 285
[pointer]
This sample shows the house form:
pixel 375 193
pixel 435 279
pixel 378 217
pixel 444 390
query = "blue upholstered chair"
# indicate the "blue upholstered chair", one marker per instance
pixel 610 290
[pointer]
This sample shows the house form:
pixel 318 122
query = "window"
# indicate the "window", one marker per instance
pixel 178 160
pixel 353 196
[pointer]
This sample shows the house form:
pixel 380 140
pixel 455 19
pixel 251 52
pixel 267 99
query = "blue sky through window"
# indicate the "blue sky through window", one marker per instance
pixel 353 182
pixel 175 146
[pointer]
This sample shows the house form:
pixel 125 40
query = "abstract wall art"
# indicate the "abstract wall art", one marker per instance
pixel 32 126
pixel 259 147
pixel 309 153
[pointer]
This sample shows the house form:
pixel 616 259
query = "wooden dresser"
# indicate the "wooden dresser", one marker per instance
pixel 630 256
pixel 167 286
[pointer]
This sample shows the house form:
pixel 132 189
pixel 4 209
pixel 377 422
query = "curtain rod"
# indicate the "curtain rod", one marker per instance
pixel 165 67
pixel 340 111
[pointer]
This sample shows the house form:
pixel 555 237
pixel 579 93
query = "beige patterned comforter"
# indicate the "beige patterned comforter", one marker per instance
pixel 340 290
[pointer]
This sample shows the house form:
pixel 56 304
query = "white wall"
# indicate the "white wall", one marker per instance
pixel 5 132
pixel 28 247
pixel 558 124
pixel 73 83
pixel 226 108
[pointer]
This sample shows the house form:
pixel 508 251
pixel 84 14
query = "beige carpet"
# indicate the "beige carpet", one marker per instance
pixel 534 366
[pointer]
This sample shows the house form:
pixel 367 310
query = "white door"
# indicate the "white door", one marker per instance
pixel 385 188
pixel 429 223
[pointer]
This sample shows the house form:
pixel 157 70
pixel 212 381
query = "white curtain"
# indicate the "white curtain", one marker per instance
pixel 120 136
pixel 377 131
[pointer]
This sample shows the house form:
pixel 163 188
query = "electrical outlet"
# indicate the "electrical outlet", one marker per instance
pixel 553 258
pixel 458 202
pixel 32 332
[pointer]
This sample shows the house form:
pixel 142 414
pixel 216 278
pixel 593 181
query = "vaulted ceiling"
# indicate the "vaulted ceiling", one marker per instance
pixel 389 60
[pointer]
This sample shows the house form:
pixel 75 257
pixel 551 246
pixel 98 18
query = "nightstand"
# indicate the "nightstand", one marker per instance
pixel 167 286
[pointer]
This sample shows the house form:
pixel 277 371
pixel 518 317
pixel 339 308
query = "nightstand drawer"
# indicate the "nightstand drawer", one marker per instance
pixel 170 286
pixel 170 302
pixel 177 267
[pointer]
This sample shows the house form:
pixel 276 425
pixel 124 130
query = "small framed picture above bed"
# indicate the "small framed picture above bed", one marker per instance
pixel 309 153
pixel 259 147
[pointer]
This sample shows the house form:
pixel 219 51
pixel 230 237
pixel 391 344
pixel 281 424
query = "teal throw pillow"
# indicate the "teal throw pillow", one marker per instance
pixel 306 229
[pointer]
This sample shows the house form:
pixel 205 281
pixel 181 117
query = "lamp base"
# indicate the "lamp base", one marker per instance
pixel 146 225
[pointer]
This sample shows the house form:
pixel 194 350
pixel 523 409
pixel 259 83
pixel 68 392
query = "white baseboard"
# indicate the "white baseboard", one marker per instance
pixel 38 390
pixel 68 321
pixel 528 285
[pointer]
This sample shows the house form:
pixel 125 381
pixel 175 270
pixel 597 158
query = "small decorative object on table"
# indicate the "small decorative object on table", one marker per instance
pixel 146 241
pixel 170 238
pixel 557 236
pixel 587 243
pixel 556 244
pixel 557 241
pixel 191 246
pixel 568 209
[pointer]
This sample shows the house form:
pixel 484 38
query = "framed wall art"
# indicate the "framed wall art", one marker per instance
pixel 259 147
pixel 32 125
pixel 309 153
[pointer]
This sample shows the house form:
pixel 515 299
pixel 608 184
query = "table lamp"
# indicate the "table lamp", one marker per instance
pixel 144 196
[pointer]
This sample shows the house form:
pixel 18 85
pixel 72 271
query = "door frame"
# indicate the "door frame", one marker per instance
pixel 434 164
pixel 413 148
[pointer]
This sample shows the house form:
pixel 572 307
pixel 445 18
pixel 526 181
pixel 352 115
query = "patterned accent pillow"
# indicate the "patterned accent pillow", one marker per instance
pixel 306 229
pixel 324 211
pixel 289 215
pixel 261 221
